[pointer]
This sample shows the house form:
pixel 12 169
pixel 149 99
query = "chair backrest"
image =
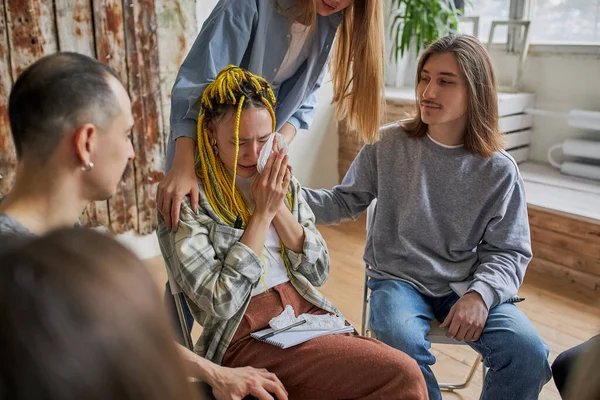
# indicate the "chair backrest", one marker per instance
pixel 370 218
pixel 179 299
pixel 173 285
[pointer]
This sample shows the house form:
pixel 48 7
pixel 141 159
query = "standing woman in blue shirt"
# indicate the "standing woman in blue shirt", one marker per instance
pixel 289 43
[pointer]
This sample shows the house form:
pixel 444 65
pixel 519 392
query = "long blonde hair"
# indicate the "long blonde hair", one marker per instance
pixel 482 135
pixel 356 64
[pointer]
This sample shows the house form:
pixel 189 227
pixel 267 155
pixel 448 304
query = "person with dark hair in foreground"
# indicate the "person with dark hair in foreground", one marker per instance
pixel 82 319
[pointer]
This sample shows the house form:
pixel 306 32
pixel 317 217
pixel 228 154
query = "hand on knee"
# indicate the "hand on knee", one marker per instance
pixel 466 318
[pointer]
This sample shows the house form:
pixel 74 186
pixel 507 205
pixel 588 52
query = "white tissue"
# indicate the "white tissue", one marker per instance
pixel 268 148
pixel 313 322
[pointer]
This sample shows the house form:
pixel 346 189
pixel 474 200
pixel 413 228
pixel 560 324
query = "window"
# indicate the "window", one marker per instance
pixel 487 11
pixel 565 21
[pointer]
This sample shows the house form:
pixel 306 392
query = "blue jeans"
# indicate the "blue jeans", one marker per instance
pixel 511 348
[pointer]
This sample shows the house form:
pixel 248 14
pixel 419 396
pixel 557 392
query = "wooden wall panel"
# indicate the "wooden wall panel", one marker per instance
pixel 8 160
pixel 579 227
pixel 560 240
pixel 75 28
pixel 144 87
pixel 30 35
pixel 31 32
pixel 110 49
pixel 566 246
pixel 177 28
pixel 125 35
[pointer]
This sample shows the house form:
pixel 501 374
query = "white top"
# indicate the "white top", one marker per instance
pixel 300 37
pixel 275 272
pixel 444 145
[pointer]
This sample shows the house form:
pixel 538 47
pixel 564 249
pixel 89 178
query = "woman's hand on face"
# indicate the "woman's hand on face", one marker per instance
pixel 270 187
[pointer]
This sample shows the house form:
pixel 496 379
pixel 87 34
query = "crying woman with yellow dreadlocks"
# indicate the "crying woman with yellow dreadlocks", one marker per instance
pixel 251 253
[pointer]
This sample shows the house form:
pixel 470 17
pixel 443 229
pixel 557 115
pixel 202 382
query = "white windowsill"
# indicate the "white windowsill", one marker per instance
pixel 547 188
pixel 554 48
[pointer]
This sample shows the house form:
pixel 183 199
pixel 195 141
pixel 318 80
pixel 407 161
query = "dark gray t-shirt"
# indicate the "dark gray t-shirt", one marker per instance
pixel 10 226
pixel 10 229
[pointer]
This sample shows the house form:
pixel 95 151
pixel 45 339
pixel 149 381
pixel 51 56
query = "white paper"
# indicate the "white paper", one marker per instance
pixel 267 149
pixel 313 322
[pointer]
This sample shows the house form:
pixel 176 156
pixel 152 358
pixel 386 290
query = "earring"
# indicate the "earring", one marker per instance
pixel 88 167
pixel 213 143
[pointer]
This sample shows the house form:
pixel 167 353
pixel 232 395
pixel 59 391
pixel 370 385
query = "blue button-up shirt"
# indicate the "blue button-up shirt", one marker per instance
pixel 254 35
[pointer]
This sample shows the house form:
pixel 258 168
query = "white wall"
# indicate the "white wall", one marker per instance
pixel 313 153
pixel 203 9
pixel 561 82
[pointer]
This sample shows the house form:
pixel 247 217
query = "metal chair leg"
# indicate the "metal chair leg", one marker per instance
pixel 184 327
pixel 363 330
pixel 450 387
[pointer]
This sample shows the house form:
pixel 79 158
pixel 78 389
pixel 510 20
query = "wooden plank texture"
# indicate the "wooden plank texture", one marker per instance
pixel 110 49
pixel 176 30
pixel 144 88
pixel 397 110
pixel 31 32
pixel 568 224
pixel 29 35
pixel 568 274
pixel 563 241
pixel 8 159
pixel 565 257
pixel 122 34
pixel 74 26
pixel 565 246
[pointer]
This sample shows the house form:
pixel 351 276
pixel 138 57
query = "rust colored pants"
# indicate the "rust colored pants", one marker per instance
pixel 328 367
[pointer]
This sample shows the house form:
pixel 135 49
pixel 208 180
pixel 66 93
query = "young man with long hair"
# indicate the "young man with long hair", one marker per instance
pixel 450 208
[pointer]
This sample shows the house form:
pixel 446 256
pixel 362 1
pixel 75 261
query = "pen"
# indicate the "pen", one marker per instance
pixel 285 328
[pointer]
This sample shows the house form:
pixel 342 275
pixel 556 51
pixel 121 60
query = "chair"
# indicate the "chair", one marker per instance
pixel 179 299
pixel 203 388
pixel 436 335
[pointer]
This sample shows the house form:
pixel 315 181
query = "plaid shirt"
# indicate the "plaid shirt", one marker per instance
pixel 217 272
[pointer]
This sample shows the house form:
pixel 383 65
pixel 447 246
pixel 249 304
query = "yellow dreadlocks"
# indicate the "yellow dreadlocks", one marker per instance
pixel 230 89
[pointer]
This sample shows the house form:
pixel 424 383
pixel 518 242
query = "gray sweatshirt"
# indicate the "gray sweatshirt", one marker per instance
pixel 443 215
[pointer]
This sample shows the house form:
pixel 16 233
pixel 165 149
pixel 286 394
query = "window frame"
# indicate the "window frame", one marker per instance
pixel 521 10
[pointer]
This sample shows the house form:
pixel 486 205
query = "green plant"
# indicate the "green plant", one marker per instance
pixel 423 21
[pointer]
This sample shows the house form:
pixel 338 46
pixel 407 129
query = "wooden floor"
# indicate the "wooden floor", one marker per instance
pixel 565 314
